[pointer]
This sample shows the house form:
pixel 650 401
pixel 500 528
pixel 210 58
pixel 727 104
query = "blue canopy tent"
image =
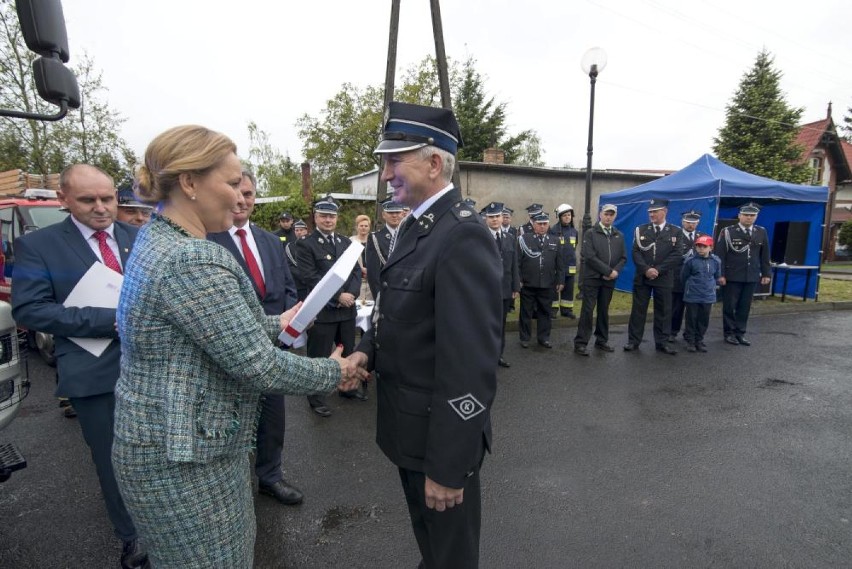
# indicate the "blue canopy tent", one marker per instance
pixel 717 190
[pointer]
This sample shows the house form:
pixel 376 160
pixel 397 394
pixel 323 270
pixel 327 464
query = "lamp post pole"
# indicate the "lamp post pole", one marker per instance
pixel 593 63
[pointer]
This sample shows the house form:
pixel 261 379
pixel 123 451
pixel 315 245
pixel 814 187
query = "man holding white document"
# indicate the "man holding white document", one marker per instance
pixel 49 264
pixel 316 254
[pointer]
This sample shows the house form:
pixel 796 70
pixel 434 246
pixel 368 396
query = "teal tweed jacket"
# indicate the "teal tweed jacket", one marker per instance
pixel 197 350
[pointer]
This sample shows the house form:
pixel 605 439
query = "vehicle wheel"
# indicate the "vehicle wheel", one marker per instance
pixel 45 347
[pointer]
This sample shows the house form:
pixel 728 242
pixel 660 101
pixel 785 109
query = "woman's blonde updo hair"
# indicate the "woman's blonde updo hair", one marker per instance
pixel 190 148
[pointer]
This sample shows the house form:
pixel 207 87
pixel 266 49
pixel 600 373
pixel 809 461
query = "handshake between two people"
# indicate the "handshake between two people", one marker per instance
pixel 353 368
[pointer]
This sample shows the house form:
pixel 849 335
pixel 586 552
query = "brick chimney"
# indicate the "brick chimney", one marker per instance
pixel 307 192
pixel 494 156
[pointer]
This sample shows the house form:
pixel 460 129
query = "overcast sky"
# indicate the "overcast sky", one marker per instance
pixel 673 65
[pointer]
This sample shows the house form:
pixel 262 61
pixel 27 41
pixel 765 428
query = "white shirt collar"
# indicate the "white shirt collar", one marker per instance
pixel 424 207
pixel 88 231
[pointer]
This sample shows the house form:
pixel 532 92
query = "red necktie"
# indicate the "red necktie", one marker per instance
pixel 106 253
pixel 251 262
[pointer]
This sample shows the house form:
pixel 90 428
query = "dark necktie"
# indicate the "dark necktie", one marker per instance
pixel 748 231
pixel 497 238
pixel 656 230
pixel 251 263
pixel 106 253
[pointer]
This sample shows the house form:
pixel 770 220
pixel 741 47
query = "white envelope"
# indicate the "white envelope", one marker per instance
pixel 100 287
pixel 322 293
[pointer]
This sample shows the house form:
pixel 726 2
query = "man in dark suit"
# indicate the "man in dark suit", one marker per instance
pixel 542 272
pixel 689 224
pixel 436 338
pixel 49 263
pixel 381 242
pixel 603 257
pixel 744 251
pixel 259 254
pixel 300 230
pixel 511 282
pixel 335 324
pixel 656 254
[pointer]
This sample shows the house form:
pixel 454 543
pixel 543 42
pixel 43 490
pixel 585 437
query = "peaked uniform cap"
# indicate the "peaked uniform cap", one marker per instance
pixel 326 205
pixel 750 208
pixel 541 217
pixel 126 198
pixel 301 224
pixel 609 207
pixel 391 206
pixel 508 210
pixel 409 127
pixel 493 209
pixel 534 209
pixel 691 215
pixel 657 203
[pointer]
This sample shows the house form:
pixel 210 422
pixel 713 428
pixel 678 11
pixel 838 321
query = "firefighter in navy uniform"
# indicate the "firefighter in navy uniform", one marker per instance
pixel 380 243
pixel 542 271
pixel 507 227
pixel 532 211
pixel 435 339
pixel 744 251
pixel 511 283
pixel 335 324
pixel 300 230
pixel 689 224
pixel 286 229
pixel 656 254
pixel 567 234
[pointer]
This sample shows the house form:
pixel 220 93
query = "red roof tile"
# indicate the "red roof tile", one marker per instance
pixel 810 134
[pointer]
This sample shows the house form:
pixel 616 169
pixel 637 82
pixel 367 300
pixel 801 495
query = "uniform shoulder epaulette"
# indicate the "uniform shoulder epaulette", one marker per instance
pixel 463 212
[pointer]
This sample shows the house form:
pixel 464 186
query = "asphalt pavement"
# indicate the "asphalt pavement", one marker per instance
pixel 735 458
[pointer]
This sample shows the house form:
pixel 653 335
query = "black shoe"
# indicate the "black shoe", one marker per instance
pixel 354 394
pixel 692 349
pixel 666 349
pixel 701 347
pixel 283 492
pixel 732 340
pixel 568 313
pixel 525 344
pixel 69 412
pixel 581 350
pixel 672 339
pixel 503 363
pixel 546 344
pixel 133 556
pixel 742 341
pixel 605 347
pixel 321 410
pixel 631 347
pixel 554 312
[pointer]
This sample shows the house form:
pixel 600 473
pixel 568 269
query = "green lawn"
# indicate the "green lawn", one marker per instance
pixel 830 290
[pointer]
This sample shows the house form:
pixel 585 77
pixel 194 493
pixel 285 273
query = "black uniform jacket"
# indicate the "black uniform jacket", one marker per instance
pixel 511 275
pixel 286 236
pixel 744 259
pixel 438 322
pixel 315 255
pixel 290 255
pixel 687 245
pixel 377 257
pixel 601 254
pixel 663 253
pixel 541 271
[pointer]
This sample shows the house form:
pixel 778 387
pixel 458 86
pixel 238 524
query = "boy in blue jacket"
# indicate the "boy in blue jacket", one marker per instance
pixel 700 274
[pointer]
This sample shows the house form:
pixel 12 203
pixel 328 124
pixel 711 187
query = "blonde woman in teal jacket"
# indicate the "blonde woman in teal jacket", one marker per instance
pixel 197 352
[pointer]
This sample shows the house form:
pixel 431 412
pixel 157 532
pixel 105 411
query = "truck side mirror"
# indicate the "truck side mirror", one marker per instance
pixel 43 27
pixel 55 82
